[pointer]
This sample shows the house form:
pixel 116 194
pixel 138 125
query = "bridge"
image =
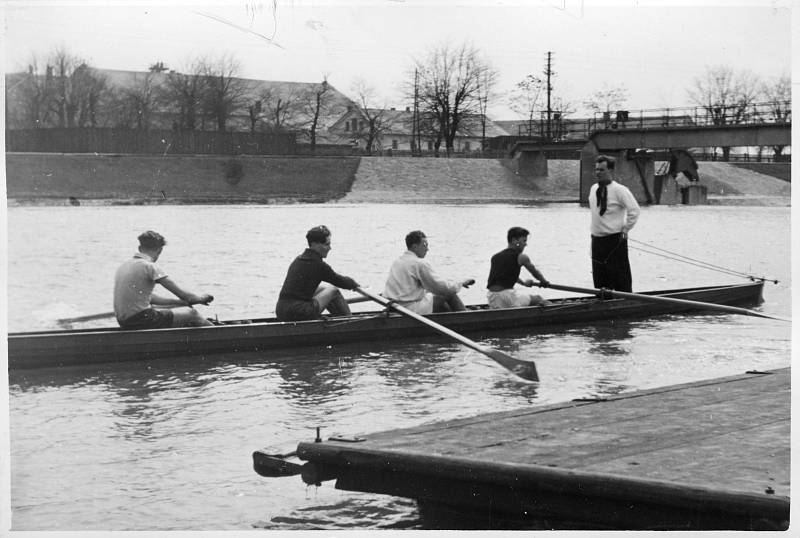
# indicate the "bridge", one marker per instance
pixel 631 139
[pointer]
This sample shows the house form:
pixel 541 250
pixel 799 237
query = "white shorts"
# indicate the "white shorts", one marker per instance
pixel 510 298
pixel 423 306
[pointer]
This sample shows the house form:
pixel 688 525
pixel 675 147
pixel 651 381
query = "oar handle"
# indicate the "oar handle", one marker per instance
pixel 88 317
pixel 351 300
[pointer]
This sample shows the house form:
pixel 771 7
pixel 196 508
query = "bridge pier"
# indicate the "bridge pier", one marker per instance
pixel 635 168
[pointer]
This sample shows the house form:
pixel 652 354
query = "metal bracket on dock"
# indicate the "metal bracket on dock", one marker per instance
pixel 347 439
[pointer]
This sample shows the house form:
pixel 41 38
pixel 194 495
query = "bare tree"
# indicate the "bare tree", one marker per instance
pixel 606 99
pixel 486 82
pixel 376 122
pixel 89 89
pixel 64 91
pixel 30 98
pixel 183 93
pixel 778 95
pixel 135 104
pixel 450 83
pixel 225 93
pixel 65 104
pixel 73 80
pixel 725 95
pixel 316 107
pixel 254 113
pixel 524 98
pixel 278 108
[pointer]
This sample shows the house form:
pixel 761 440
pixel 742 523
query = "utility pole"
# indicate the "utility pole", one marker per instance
pixel 415 136
pixel 548 72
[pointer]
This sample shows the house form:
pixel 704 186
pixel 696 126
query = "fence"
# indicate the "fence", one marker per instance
pixel 563 129
pixel 743 157
pixel 160 142
pixel 755 113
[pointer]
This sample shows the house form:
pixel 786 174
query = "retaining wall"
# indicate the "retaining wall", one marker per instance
pixel 50 177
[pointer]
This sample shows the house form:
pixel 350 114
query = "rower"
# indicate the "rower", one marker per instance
pixel 414 284
pixel 504 273
pixel 135 304
pixel 303 295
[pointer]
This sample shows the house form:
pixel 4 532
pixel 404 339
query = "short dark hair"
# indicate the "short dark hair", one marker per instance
pixel 151 240
pixel 318 234
pixel 415 237
pixel 516 232
pixel 611 162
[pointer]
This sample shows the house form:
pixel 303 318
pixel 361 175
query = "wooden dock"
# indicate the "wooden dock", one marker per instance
pixel 710 455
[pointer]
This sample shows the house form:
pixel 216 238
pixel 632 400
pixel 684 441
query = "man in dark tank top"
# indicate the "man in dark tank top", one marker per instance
pixel 504 274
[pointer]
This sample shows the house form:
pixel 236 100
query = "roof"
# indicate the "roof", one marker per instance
pixel 401 122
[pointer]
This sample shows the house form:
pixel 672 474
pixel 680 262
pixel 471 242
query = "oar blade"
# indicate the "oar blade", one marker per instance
pixel 524 369
pixel 758 314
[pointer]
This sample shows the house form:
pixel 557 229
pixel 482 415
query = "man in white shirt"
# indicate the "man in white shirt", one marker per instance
pixel 135 304
pixel 413 284
pixel 614 212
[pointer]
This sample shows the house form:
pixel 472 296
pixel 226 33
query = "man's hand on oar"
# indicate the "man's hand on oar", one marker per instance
pixel 200 299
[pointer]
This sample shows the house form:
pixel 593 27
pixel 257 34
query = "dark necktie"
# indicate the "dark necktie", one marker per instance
pixel 602 195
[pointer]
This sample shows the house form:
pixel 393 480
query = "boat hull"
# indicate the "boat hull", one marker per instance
pixel 78 347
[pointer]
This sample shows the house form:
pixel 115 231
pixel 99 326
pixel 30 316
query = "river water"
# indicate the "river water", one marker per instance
pixel 167 444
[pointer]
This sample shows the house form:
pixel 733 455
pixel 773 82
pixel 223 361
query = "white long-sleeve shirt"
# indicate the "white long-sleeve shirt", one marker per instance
pixel 622 210
pixel 409 278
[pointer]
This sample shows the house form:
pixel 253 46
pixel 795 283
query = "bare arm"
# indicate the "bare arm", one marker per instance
pixel 526 262
pixel 185 297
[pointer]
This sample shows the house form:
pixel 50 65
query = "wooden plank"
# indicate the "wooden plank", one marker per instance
pixel 716 451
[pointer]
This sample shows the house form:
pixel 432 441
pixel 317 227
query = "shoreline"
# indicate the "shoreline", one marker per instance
pixel 713 200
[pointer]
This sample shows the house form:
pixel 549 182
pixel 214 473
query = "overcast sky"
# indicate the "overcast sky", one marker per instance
pixel 653 48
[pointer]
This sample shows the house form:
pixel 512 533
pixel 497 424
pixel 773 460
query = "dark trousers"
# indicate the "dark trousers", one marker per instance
pixel 610 266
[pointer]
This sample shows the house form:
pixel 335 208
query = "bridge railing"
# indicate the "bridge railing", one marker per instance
pixel 699 116
pixel 562 128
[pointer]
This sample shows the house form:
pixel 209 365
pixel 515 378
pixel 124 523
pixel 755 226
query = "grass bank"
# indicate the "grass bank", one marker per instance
pixel 176 179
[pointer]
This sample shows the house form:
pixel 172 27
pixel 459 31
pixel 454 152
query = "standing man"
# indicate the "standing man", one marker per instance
pixel 504 273
pixel 413 284
pixel 135 304
pixel 302 296
pixel 614 212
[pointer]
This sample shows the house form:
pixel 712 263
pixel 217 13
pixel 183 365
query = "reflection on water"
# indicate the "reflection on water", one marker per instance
pixel 359 511
pixel 166 444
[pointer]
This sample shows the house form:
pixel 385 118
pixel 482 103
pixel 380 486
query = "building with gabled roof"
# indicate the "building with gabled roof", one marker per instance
pixel 251 113
pixel 394 130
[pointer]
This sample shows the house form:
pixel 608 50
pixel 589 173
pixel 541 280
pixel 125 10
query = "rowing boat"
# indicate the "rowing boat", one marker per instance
pixel 43 349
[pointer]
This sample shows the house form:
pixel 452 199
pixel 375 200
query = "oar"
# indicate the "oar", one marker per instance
pixel 524 369
pixel 90 317
pixel 662 299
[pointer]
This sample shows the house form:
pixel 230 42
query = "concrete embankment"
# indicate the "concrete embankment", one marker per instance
pixel 431 180
pixel 37 178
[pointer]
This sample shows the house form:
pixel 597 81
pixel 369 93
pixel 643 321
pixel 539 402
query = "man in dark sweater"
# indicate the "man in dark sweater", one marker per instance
pixel 303 296
pixel 504 274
